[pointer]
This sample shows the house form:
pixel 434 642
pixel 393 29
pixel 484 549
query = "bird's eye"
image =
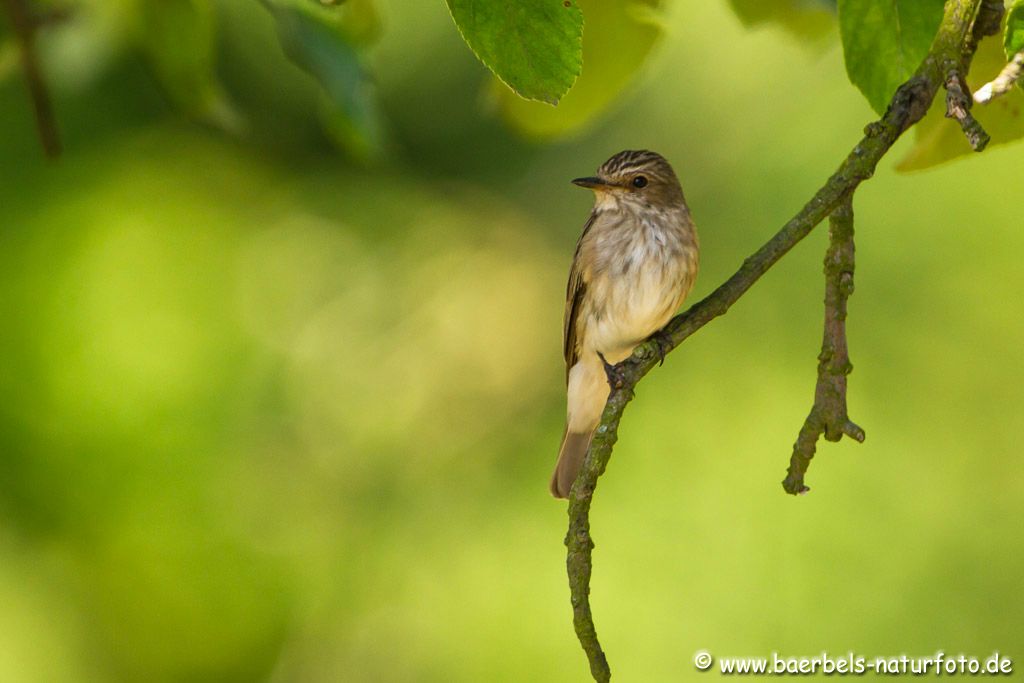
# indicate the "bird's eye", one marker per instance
pixel 640 181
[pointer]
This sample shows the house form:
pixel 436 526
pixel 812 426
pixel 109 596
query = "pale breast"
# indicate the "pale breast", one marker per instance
pixel 640 269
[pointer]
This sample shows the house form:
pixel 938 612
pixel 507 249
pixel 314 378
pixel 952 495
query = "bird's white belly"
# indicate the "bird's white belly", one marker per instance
pixel 635 307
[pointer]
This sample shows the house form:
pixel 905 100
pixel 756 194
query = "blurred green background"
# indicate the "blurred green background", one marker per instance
pixel 270 415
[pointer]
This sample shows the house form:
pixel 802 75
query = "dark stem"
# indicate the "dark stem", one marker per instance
pixel 24 25
pixel 958 106
pixel 828 415
pixel 952 50
pixel 988 21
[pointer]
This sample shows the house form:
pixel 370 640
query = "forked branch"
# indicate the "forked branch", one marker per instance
pixel 828 415
pixel 964 23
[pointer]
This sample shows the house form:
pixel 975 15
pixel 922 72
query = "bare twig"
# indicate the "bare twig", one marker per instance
pixel 579 565
pixel 958 106
pixel 988 18
pixel 828 415
pixel 25 25
pixel 952 50
pixel 1004 82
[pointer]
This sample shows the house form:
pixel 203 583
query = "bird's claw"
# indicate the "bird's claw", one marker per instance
pixel 662 340
pixel 614 373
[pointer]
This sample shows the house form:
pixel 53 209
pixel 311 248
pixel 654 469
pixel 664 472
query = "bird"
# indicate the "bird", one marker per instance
pixel 635 262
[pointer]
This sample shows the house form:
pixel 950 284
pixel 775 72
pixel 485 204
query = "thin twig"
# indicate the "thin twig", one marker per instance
pixel 25 25
pixel 579 564
pixel 828 415
pixel 952 49
pixel 1004 82
pixel 958 106
pixel 988 19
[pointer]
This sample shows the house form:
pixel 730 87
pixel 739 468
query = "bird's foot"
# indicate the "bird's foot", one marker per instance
pixel 663 341
pixel 615 374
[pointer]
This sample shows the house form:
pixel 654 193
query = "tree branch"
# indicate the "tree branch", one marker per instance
pixel 951 50
pixel 25 25
pixel 828 415
pixel 1004 82
pixel 958 106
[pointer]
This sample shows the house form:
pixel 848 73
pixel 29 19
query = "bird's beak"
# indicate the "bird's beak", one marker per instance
pixel 592 183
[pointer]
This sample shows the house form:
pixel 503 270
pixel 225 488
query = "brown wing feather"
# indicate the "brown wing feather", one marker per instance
pixel 574 292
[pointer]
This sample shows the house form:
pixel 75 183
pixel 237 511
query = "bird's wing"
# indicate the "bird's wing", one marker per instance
pixel 574 292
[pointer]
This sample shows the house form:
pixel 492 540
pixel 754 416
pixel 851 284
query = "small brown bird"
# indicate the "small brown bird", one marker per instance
pixel 635 263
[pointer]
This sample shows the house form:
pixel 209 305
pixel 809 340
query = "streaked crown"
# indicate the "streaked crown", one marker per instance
pixel 643 173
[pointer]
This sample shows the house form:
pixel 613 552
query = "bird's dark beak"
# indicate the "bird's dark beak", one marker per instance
pixel 592 183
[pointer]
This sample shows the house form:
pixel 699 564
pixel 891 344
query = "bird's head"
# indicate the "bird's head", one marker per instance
pixel 635 177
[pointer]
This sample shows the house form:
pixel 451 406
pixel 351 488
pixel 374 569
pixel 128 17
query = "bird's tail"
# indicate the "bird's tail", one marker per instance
pixel 570 459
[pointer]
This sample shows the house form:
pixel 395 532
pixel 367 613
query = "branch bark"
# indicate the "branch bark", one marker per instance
pixel 958 106
pixel 964 23
pixel 828 415
pixel 1004 82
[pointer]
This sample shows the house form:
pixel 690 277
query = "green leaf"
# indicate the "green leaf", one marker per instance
pixel 533 46
pixel 322 41
pixel 178 38
pixel 938 139
pixel 618 39
pixel 884 41
pixel 1013 37
pixel 802 18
